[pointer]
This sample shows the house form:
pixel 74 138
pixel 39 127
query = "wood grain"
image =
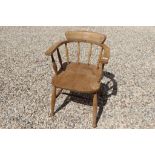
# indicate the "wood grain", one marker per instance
pixel 99 58
pixel 53 99
pixel 59 57
pixel 79 77
pixel 53 48
pixel 85 36
pixel 94 110
pixel 54 65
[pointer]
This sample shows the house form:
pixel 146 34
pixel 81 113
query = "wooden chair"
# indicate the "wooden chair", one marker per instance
pixel 79 77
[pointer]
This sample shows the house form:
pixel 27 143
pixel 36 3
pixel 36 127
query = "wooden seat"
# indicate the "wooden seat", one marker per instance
pixel 76 76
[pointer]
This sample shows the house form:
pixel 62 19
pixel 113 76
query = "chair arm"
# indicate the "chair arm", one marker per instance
pixel 104 60
pixel 106 55
pixel 52 49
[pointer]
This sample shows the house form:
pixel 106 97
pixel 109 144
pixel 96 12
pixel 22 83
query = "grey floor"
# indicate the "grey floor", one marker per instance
pixel 128 99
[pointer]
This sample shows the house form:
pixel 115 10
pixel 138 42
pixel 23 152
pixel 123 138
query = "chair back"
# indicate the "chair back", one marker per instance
pixel 86 37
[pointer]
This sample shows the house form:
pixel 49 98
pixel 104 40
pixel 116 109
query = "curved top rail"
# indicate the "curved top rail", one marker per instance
pixel 85 36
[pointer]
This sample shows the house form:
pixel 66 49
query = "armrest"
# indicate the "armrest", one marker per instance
pixel 104 60
pixel 106 54
pixel 52 49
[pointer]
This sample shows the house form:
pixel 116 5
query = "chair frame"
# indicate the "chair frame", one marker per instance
pixel 86 37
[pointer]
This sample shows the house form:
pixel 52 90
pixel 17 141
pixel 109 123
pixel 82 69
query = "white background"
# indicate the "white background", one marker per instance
pixel 77 13
pixel 77 142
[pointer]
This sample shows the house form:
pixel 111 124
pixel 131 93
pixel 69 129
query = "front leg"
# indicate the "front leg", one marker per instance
pixel 94 110
pixel 53 99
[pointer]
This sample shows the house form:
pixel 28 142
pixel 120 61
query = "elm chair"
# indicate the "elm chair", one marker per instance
pixel 76 76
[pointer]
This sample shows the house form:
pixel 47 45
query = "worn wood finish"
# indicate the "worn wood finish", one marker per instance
pixel 53 48
pixel 53 99
pixel 54 65
pixel 85 36
pixel 59 57
pixel 94 110
pixel 79 77
pixel 106 54
pixel 99 58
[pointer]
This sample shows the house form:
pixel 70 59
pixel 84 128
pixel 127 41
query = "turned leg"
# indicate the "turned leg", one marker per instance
pixel 94 110
pixel 53 99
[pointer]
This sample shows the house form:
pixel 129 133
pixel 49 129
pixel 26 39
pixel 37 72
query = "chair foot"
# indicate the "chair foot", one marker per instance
pixel 94 125
pixel 50 114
